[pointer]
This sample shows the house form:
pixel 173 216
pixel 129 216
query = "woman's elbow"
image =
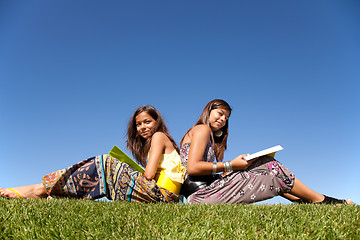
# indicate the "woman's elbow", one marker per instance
pixel 149 176
pixel 193 171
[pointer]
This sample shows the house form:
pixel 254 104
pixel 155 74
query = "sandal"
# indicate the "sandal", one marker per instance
pixel 16 192
pixel 330 200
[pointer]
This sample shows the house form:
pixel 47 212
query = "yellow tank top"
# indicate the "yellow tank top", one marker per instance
pixel 171 165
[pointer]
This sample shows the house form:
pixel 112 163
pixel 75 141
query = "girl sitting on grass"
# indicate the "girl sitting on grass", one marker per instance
pixel 245 181
pixel 103 175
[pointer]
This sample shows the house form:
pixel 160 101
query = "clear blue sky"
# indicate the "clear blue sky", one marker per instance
pixel 73 72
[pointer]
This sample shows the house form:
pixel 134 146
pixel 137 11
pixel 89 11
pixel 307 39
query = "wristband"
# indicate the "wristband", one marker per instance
pixel 227 166
pixel 214 170
pixel 230 166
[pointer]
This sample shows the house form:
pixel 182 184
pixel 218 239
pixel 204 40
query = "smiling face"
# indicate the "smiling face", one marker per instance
pixel 145 125
pixel 218 118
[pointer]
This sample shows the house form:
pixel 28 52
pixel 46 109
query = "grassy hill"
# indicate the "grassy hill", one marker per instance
pixel 81 219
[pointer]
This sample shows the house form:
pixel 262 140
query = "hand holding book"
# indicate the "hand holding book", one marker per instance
pixel 239 163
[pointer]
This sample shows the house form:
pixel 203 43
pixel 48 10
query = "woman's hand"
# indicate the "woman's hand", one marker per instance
pixel 239 163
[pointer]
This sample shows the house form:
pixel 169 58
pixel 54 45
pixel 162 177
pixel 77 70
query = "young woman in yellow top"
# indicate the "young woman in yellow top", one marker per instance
pixel 104 175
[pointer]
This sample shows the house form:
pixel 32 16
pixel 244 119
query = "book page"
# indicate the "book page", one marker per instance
pixel 121 156
pixel 269 151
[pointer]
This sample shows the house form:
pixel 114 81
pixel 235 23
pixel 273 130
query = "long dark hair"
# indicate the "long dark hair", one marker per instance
pixel 220 142
pixel 140 146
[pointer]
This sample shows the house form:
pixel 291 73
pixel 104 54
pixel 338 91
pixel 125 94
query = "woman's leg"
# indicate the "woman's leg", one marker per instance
pixel 29 191
pixel 293 198
pixel 303 192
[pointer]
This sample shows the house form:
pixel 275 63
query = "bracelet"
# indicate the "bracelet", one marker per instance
pixel 214 170
pixel 227 166
pixel 230 166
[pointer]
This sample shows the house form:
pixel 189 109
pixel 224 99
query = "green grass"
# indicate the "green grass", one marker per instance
pixel 81 219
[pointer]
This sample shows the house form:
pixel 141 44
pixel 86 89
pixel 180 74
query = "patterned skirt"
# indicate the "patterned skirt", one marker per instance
pixel 102 176
pixel 264 179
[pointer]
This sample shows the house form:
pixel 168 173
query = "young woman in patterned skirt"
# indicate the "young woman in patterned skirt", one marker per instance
pixel 243 181
pixel 104 175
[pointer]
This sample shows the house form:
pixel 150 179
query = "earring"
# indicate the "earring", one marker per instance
pixel 218 133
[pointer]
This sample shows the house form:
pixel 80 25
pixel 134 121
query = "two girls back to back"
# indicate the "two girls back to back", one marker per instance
pixel 202 151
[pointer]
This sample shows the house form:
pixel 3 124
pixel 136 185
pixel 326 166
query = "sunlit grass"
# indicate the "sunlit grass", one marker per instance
pixel 81 219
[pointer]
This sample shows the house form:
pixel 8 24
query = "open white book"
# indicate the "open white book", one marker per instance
pixel 269 151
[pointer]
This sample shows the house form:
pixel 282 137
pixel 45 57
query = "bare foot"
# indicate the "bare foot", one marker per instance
pixel 349 201
pixel 30 191
pixel 6 192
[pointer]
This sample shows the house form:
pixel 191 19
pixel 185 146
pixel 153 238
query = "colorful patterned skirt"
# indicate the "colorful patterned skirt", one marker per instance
pixel 264 179
pixel 102 176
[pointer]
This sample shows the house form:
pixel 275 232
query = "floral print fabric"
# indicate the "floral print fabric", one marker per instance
pixel 264 179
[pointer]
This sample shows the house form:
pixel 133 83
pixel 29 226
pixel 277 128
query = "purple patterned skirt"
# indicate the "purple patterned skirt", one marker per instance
pixel 264 179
